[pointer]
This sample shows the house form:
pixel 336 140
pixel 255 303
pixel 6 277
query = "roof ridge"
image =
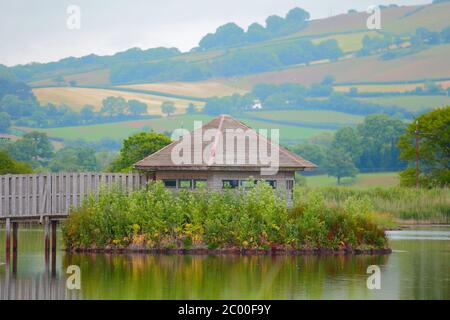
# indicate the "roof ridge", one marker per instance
pixel 173 142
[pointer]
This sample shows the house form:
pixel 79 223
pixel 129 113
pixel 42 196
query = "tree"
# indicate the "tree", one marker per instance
pixel 348 140
pixel 168 107
pixel 314 153
pixel 10 166
pixel 297 15
pixel 74 159
pixel 87 112
pixel 136 108
pixel 275 24
pixel 434 156
pixel 33 147
pixel 5 122
pixel 191 108
pixel 137 147
pixel 226 35
pixel 340 164
pixel 256 33
pixel 379 137
pixel 114 106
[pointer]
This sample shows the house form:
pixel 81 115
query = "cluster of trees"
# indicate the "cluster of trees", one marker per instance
pixel 232 63
pixel 422 36
pixel 370 147
pixel 137 147
pixel 10 166
pixel 29 71
pixel 231 34
pixel 296 96
pixel 19 105
pixel 426 36
pixel 35 152
pixel 434 153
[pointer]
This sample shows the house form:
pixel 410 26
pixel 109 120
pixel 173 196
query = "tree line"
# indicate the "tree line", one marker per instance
pixel 232 63
pixel 382 143
pixel 291 96
pixel 231 34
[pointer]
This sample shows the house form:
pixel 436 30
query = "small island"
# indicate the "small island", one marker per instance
pixel 252 221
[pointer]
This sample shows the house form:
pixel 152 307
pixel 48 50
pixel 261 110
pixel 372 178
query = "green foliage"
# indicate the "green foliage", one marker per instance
pixel 340 164
pixel 231 34
pixel 137 147
pixel 5 122
pixel 423 205
pixel 74 159
pixel 11 166
pixel 379 136
pixel 168 107
pixel 34 147
pixel 136 108
pixel 256 218
pixel 434 133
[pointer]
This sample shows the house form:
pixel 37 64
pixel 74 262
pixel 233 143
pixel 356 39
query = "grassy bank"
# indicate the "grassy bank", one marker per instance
pixel 156 218
pixel 405 204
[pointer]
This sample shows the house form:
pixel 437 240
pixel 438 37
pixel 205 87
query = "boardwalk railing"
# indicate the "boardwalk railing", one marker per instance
pixel 37 195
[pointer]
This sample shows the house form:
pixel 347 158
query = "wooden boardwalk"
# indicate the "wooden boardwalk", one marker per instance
pixel 35 196
pixel 48 198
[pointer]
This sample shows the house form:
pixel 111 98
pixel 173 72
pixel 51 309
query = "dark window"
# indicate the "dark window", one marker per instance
pixel 185 184
pixel 272 183
pixel 230 184
pixel 170 183
pixel 200 184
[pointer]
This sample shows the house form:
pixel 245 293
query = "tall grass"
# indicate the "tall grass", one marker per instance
pixel 420 205
pixel 256 218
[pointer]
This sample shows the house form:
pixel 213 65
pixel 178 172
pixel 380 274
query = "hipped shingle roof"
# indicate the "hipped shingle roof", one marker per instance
pixel 216 149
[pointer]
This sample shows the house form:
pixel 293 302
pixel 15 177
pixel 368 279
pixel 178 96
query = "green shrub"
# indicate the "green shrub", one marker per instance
pixel 254 218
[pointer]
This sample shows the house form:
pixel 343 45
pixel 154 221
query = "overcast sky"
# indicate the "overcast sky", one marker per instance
pixel 35 30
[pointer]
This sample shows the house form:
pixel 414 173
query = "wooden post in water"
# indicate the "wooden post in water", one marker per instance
pixel 8 239
pixel 47 240
pixel 15 228
pixel 54 224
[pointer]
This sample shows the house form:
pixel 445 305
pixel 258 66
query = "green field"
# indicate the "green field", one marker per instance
pixel 316 117
pixel 121 130
pixel 411 103
pixel 364 180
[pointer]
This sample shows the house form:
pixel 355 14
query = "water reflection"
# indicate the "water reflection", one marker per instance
pixel 418 269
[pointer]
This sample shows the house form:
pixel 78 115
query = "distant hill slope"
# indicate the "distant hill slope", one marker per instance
pixel 76 98
pixel 347 29
pixel 428 64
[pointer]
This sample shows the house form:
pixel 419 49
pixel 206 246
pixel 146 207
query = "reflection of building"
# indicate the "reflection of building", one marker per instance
pixel 213 175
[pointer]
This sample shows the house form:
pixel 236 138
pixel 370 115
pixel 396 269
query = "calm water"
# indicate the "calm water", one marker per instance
pixel 419 268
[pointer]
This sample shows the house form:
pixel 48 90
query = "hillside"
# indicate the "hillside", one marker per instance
pixel 430 63
pixel 76 98
pixel 385 78
pixel 347 29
